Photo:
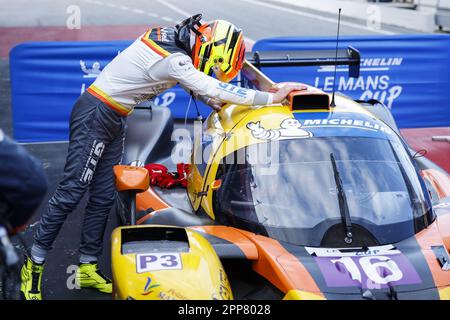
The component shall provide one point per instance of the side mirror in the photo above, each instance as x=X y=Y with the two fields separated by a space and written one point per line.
x=129 y=178
x=419 y=154
x=216 y=184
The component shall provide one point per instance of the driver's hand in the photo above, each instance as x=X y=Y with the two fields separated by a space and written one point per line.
x=281 y=91
x=216 y=104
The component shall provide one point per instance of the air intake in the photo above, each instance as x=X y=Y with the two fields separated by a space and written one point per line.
x=312 y=99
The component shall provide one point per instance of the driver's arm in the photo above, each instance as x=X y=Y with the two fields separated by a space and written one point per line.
x=214 y=103
x=181 y=69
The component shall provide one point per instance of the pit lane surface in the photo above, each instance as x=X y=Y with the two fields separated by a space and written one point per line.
x=128 y=19
x=101 y=20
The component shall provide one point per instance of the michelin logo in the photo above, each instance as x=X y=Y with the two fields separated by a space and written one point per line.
x=289 y=128
x=348 y=123
x=381 y=62
x=90 y=72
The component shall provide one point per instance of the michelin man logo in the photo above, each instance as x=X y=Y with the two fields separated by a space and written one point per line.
x=92 y=72
x=289 y=128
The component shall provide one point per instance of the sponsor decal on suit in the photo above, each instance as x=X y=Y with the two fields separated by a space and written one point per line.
x=91 y=163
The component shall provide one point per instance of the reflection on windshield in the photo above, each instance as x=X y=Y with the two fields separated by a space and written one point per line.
x=303 y=194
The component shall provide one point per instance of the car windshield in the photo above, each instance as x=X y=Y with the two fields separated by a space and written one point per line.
x=295 y=198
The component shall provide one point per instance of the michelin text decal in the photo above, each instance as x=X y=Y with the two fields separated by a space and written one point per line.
x=351 y=123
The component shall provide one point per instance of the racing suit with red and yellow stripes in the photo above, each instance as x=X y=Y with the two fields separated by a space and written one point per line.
x=153 y=63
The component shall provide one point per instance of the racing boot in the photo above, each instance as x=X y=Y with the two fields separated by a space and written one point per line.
x=89 y=276
x=31 y=277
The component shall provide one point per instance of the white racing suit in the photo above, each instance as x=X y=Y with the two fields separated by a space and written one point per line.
x=154 y=63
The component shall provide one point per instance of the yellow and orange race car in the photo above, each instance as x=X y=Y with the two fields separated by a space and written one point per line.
x=318 y=198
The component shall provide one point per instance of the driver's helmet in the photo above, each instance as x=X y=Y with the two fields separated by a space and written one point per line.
x=218 y=48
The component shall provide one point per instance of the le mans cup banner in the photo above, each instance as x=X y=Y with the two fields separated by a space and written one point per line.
x=409 y=73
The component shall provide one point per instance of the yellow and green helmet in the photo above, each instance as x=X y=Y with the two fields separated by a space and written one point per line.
x=219 y=48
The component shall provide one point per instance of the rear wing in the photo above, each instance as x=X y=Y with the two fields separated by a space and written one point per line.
x=300 y=58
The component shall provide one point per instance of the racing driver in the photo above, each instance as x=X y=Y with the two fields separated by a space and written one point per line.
x=191 y=54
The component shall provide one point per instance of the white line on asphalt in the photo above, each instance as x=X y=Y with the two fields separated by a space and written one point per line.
x=187 y=14
x=317 y=17
x=139 y=11
x=248 y=40
x=175 y=8
x=126 y=8
x=168 y=19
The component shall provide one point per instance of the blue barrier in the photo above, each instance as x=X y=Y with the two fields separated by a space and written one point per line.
x=48 y=77
x=410 y=73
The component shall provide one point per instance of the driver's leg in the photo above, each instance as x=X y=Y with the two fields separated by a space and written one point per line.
x=102 y=195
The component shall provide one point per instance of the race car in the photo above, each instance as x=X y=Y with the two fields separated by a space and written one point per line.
x=318 y=198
